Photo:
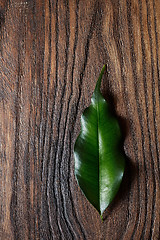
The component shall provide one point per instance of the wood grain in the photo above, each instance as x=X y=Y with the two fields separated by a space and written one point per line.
x=51 y=56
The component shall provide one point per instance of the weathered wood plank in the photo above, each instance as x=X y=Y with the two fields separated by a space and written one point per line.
x=51 y=56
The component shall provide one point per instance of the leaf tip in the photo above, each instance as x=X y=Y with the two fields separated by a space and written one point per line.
x=104 y=67
x=101 y=217
x=100 y=78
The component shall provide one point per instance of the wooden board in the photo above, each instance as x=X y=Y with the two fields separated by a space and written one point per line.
x=51 y=56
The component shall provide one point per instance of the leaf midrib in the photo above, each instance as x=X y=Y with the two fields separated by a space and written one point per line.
x=99 y=195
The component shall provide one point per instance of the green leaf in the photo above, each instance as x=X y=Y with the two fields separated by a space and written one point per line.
x=99 y=161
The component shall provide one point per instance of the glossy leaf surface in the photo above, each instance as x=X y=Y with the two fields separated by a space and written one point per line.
x=99 y=161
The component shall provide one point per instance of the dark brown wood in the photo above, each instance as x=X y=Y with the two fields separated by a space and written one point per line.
x=51 y=55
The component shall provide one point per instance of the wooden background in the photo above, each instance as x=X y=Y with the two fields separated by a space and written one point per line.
x=51 y=56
